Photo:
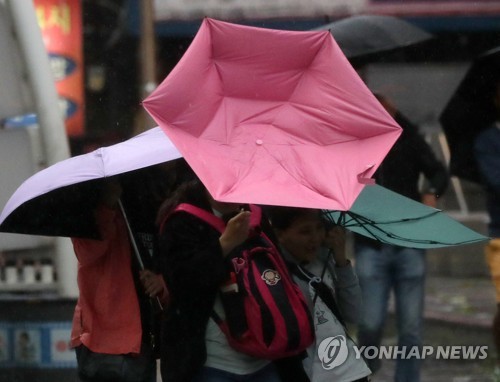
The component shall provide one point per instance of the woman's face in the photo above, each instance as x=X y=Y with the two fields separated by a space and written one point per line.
x=303 y=238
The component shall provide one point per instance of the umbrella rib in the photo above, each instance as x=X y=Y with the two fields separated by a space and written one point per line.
x=340 y=221
x=360 y=218
x=304 y=71
x=364 y=223
x=356 y=218
x=404 y=220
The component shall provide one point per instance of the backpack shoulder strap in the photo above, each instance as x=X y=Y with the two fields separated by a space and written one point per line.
x=213 y=220
x=321 y=289
x=256 y=215
x=202 y=214
x=301 y=272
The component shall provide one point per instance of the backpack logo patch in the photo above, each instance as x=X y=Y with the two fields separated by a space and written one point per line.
x=271 y=277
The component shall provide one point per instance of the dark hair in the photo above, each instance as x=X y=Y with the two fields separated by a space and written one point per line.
x=283 y=217
x=190 y=191
x=183 y=172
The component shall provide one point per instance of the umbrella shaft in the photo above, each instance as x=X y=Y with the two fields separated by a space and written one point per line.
x=131 y=234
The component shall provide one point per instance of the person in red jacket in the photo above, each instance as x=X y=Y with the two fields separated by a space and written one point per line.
x=108 y=322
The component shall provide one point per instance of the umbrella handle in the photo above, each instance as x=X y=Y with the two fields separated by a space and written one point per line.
x=132 y=239
x=134 y=246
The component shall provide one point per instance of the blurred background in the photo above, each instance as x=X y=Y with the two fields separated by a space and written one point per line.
x=105 y=56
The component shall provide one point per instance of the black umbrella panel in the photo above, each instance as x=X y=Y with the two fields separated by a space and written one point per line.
x=470 y=110
x=365 y=35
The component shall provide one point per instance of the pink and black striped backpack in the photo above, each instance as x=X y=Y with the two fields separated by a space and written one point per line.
x=266 y=314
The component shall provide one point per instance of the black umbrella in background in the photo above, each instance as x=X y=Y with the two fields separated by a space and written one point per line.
x=470 y=110
x=366 y=35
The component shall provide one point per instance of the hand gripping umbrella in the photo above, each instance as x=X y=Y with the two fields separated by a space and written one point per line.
x=391 y=218
x=273 y=117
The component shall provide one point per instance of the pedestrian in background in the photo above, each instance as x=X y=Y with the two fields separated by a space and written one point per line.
x=487 y=154
x=384 y=268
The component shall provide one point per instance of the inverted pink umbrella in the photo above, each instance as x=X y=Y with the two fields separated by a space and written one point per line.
x=273 y=117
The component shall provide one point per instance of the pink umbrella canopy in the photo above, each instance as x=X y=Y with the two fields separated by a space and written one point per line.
x=273 y=117
x=52 y=201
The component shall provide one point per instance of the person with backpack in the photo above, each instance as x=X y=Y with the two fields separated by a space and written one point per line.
x=316 y=254
x=197 y=263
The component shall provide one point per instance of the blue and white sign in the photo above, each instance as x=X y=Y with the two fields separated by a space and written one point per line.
x=36 y=344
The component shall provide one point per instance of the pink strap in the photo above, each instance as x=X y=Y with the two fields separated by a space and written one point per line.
x=204 y=215
x=213 y=220
x=256 y=216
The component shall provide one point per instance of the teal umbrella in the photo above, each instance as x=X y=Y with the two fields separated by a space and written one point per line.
x=391 y=218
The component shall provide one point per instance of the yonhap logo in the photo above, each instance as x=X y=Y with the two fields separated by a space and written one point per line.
x=332 y=352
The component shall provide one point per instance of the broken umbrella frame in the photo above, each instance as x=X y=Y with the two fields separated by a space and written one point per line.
x=249 y=106
x=391 y=218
